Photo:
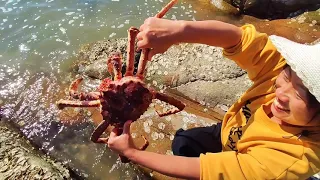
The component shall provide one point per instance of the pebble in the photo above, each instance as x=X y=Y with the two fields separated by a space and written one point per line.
x=161 y=125
x=155 y=136
x=224 y=108
x=161 y=136
x=171 y=137
x=147 y=129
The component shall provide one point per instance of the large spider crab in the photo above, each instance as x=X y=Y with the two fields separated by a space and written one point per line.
x=123 y=98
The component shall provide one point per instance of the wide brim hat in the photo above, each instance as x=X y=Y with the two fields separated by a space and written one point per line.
x=303 y=59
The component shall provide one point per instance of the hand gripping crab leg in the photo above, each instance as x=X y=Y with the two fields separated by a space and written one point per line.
x=98 y=131
x=145 y=52
x=119 y=130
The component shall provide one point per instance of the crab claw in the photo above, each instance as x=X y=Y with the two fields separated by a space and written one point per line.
x=73 y=88
x=60 y=105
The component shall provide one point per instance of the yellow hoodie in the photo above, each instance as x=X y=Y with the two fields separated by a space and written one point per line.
x=254 y=147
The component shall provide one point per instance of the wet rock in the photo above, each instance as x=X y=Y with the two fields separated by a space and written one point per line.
x=293 y=29
x=100 y=49
x=92 y=58
x=274 y=9
x=187 y=63
x=312 y=18
x=216 y=93
x=97 y=69
x=18 y=159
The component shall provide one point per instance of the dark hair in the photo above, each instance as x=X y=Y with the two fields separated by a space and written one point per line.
x=312 y=101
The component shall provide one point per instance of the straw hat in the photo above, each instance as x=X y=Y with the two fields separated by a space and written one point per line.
x=303 y=59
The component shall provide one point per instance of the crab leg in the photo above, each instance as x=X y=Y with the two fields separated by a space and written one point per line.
x=73 y=91
x=82 y=96
x=145 y=144
x=73 y=88
x=132 y=34
x=67 y=103
x=145 y=52
x=142 y=63
x=98 y=131
x=170 y=100
x=165 y=9
x=114 y=65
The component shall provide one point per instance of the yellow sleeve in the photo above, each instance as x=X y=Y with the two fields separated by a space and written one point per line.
x=254 y=53
x=258 y=163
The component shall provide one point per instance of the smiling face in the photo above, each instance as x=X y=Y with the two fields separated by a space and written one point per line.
x=292 y=104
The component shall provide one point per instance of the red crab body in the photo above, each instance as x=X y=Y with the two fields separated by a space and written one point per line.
x=127 y=98
x=123 y=98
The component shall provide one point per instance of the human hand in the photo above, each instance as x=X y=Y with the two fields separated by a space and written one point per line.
x=122 y=144
x=158 y=35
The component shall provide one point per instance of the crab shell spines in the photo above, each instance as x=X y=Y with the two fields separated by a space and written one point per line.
x=125 y=99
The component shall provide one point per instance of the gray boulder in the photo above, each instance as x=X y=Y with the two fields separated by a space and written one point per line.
x=274 y=9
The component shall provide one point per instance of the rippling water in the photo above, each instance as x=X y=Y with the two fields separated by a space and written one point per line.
x=39 y=41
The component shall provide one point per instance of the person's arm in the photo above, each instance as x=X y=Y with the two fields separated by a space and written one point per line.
x=160 y=34
x=210 y=32
x=174 y=166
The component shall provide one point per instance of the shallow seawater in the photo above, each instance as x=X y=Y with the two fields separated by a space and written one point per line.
x=39 y=41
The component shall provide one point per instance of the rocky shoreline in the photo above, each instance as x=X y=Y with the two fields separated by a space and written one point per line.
x=19 y=159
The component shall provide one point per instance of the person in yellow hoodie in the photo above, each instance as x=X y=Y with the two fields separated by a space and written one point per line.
x=271 y=132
